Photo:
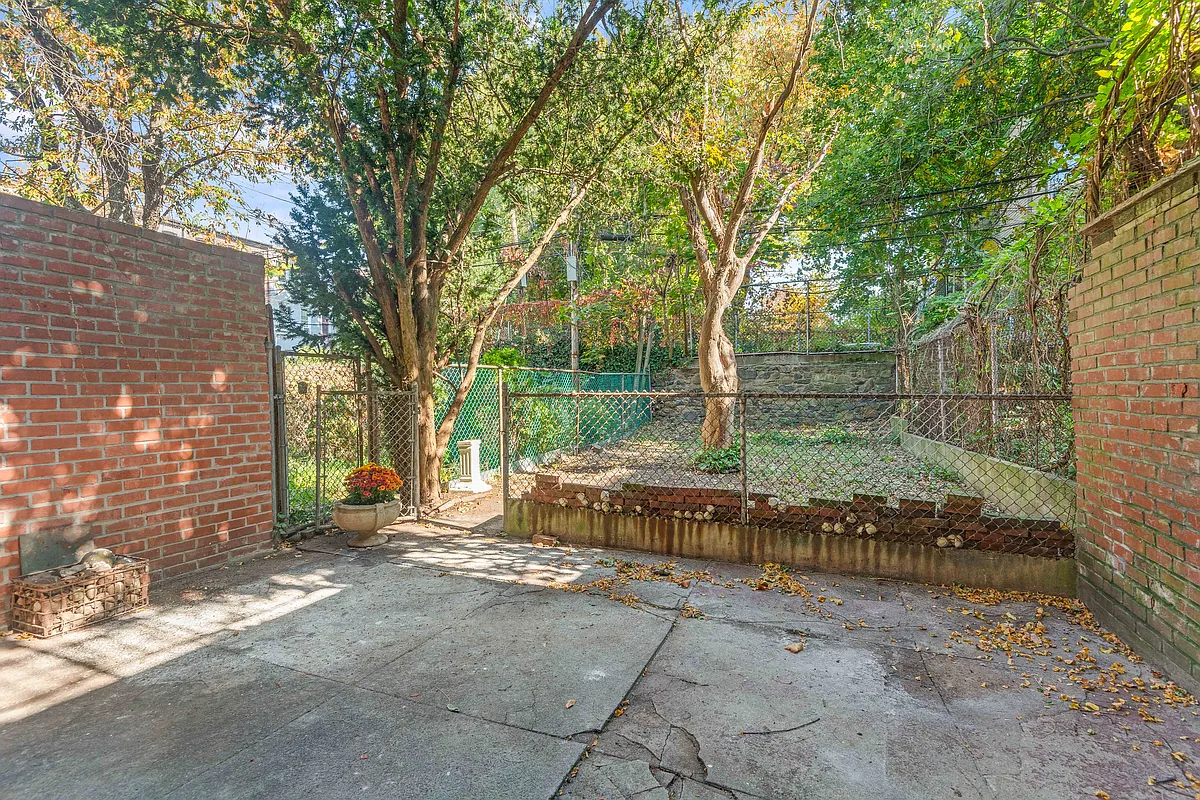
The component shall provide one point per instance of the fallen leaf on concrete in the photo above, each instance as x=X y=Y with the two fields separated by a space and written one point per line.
x=795 y=647
x=570 y=703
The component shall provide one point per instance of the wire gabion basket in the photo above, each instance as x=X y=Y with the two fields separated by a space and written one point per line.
x=45 y=604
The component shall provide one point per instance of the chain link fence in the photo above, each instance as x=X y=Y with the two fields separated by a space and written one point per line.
x=993 y=478
x=299 y=378
x=480 y=414
x=1001 y=352
x=331 y=418
x=356 y=427
x=773 y=331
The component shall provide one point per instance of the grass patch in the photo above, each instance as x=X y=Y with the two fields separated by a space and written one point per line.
x=791 y=438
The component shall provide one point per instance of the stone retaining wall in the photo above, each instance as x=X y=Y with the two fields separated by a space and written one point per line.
x=851 y=373
x=793 y=373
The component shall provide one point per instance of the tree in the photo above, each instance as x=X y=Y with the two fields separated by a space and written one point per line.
x=742 y=153
x=1149 y=104
x=90 y=130
x=411 y=115
x=956 y=119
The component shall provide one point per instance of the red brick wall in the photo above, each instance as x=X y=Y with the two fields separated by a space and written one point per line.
x=1135 y=331
x=134 y=391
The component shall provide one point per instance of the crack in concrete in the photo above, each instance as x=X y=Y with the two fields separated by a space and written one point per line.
x=682 y=679
x=982 y=787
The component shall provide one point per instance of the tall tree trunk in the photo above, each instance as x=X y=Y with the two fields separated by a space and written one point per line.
x=718 y=375
x=430 y=456
x=713 y=214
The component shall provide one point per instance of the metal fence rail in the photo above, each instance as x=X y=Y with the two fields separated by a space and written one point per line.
x=964 y=471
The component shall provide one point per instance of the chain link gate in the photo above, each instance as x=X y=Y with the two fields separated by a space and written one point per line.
x=356 y=427
x=296 y=379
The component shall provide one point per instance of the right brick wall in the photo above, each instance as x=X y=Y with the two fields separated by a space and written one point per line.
x=1135 y=330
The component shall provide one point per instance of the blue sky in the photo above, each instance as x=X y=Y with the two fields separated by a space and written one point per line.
x=269 y=198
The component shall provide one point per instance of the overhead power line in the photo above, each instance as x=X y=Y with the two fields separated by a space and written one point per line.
x=966 y=188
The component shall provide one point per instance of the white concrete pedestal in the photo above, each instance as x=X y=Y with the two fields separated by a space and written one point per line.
x=468 y=469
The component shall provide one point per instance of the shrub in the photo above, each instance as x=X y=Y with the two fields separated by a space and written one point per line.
x=503 y=357
x=837 y=436
x=370 y=484
x=718 y=460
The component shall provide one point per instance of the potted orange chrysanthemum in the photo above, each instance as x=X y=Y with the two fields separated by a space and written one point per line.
x=370 y=504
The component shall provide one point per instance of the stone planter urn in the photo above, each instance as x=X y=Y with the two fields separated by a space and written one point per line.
x=365 y=521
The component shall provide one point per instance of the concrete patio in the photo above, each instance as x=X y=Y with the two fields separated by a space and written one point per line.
x=453 y=664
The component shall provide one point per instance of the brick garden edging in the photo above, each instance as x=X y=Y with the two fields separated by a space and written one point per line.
x=861 y=536
x=865 y=516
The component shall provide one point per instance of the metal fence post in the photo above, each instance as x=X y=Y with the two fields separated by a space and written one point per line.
x=319 y=448
x=503 y=443
x=745 y=478
x=415 y=427
x=279 y=447
x=373 y=419
x=807 y=318
x=994 y=385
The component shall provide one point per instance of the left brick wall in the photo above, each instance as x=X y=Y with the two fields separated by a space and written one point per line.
x=134 y=391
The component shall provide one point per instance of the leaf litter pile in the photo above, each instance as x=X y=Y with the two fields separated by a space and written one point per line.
x=1087 y=674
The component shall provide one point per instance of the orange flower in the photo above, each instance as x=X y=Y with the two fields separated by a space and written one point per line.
x=372 y=483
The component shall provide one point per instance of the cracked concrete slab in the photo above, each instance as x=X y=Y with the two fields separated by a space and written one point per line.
x=360 y=744
x=275 y=678
x=152 y=731
x=615 y=779
x=730 y=707
x=375 y=613
x=523 y=659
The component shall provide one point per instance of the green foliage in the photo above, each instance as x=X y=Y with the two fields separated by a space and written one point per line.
x=718 y=460
x=950 y=112
x=938 y=310
x=96 y=125
x=1147 y=120
x=503 y=357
